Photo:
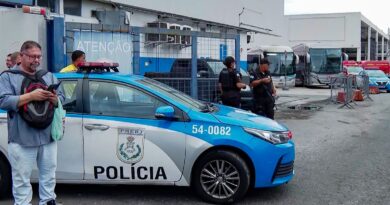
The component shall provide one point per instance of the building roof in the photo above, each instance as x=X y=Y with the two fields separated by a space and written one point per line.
x=304 y=48
x=167 y=15
x=270 y=49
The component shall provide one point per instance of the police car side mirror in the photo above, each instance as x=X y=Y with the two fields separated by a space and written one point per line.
x=165 y=112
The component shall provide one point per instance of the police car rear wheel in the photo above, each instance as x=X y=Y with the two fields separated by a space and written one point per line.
x=5 y=179
x=221 y=177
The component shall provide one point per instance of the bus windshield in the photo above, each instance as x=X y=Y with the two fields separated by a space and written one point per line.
x=326 y=61
x=280 y=63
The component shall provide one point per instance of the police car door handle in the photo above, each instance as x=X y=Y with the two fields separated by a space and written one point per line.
x=96 y=127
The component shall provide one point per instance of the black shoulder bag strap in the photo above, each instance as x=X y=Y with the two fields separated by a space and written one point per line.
x=16 y=72
x=39 y=76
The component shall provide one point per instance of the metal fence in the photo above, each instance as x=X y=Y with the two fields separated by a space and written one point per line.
x=207 y=87
x=187 y=60
x=344 y=88
x=366 y=87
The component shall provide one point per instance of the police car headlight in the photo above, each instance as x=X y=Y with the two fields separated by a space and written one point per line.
x=272 y=137
x=373 y=82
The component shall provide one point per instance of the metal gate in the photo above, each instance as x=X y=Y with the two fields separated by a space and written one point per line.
x=189 y=61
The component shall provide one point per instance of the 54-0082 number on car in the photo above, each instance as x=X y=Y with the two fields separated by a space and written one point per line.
x=211 y=130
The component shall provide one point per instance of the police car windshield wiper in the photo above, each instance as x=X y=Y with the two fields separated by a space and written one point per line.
x=205 y=108
x=208 y=107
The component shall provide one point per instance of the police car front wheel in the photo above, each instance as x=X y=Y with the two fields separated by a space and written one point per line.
x=5 y=179
x=221 y=177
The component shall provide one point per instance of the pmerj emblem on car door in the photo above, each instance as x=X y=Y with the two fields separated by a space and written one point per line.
x=130 y=148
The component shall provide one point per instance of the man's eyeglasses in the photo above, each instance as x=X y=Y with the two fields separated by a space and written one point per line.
x=33 y=57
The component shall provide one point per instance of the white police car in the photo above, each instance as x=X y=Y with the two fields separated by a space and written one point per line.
x=127 y=129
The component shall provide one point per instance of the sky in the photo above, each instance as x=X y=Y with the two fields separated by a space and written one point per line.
x=377 y=11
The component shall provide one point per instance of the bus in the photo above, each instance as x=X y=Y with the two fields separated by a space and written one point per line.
x=282 y=63
x=318 y=64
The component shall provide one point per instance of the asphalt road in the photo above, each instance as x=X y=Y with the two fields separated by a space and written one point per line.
x=342 y=157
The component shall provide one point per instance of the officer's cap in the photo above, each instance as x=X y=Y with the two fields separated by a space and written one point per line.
x=264 y=61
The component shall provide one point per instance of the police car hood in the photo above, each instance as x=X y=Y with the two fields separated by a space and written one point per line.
x=238 y=117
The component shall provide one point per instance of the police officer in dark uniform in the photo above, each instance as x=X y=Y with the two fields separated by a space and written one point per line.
x=230 y=84
x=263 y=90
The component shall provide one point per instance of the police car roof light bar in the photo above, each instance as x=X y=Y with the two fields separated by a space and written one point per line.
x=97 y=67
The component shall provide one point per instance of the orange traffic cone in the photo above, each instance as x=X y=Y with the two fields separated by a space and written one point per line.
x=341 y=97
x=374 y=90
x=358 y=95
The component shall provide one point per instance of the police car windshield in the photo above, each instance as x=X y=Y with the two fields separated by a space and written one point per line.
x=376 y=74
x=354 y=70
x=173 y=94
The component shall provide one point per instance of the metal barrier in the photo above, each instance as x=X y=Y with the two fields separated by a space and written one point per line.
x=186 y=59
x=355 y=83
x=207 y=87
x=366 y=87
x=342 y=90
x=336 y=84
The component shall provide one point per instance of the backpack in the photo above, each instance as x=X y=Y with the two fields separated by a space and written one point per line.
x=38 y=114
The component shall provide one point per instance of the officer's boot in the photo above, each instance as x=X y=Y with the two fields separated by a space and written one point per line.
x=52 y=202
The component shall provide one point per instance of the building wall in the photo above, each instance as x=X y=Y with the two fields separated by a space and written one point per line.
x=18 y=27
x=155 y=58
x=87 y=6
x=338 y=30
x=228 y=10
x=329 y=30
x=267 y=14
x=272 y=17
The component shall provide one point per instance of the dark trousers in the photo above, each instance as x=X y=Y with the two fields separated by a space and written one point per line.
x=231 y=101
x=264 y=107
